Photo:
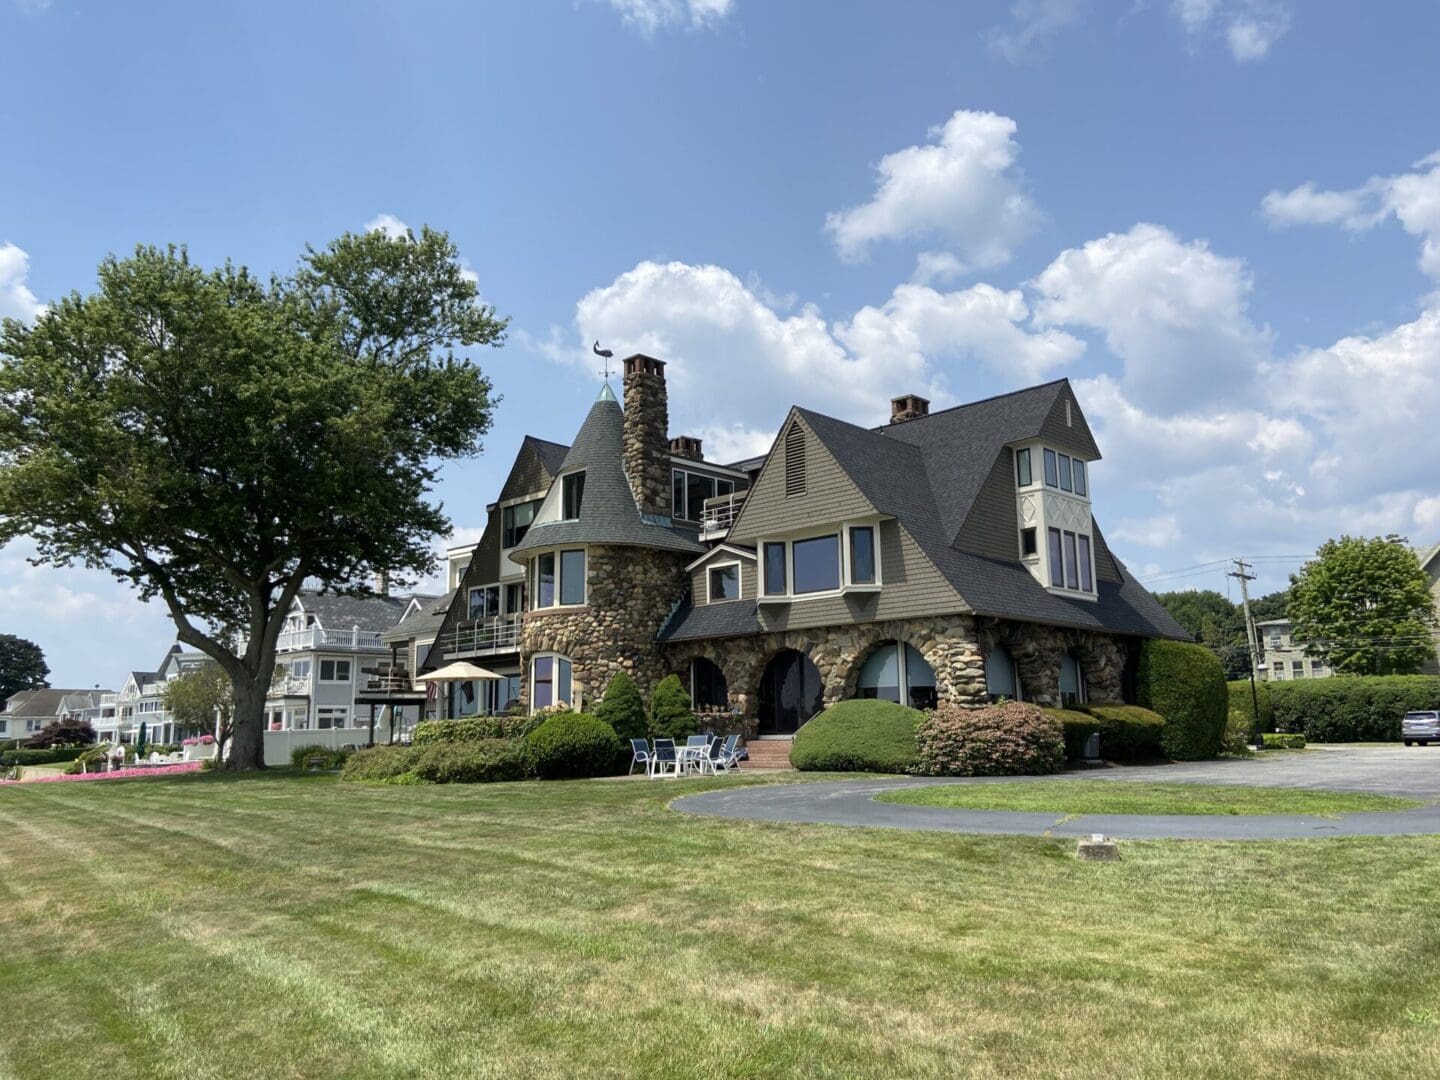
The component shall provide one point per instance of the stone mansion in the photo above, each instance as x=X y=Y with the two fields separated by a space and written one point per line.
x=946 y=556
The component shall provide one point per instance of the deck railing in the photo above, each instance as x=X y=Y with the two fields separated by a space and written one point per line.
x=499 y=634
x=356 y=640
x=719 y=513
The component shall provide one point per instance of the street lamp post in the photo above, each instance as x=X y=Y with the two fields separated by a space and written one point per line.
x=1255 y=705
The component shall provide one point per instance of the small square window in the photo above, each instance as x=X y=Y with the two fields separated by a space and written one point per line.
x=725 y=582
x=1027 y=542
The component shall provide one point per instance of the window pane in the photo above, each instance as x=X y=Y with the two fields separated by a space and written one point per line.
x=817 y=564
x=774 y=569
x=1086 y=581
x=545 y=580
x=1027 y=541
x=572 y=577
x=724 y=487
x=880 y=675
x=698 y=489
x=514 y=598
x=1072 y=581
x=862 y=555
x=1078 y=467
x=1051 y=471
x=1022 y=467
x=572 y=492
x=725 y=583
x=1000 y=674
x=542 y=684
x=477 y=603
x=919 y=680
x=562 y=681
x=1057 y=566
x=1064 y=472
x=677 y=493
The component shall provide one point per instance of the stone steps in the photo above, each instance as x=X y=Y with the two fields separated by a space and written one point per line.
x=768 y=754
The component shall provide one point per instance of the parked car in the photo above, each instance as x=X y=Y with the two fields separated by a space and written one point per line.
x=1420 y=726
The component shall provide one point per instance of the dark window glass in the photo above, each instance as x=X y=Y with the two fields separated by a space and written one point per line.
x=707 y=685
x=542 y=685
x=862 y=555
x=545 y=580
x=1022 y=468
x=677 y=492
x=516 y=521
x=572 y=491
x=725 y=583
x=1072 y=580
x=1064 y=472
x=572 y=577
x=697 y=490
x=1086 y=581
x=514 y=598
x=774 y=569
x=724 y=487
x=1057 y=564
x=817 y=564
x=1052 y=477
x=1078 y=468
x=1027 y=541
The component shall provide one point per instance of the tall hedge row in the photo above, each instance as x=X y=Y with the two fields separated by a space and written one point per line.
x=1351 y=708
x=1185 y=684
x=1242 y=703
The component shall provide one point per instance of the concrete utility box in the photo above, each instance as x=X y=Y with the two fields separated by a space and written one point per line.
x=1098 y=848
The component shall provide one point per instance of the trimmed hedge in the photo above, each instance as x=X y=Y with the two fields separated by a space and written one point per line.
x=330 y=757
x=858 y=736
x=470 y=762
x=1351 y=708
x=50 y=756
x=1185 y=684
x=1013 y=738
x=1127 y=732
x=476 y=728
x=1280 y=741
x=622 y=708
x=386 y=764
x=570 y=745
x=1243 y=704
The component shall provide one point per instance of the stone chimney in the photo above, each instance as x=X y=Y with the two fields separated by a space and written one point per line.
x=686 y=446
x=647 y=426
x=909 y=407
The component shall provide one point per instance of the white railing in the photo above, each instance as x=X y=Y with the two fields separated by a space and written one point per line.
x=390 y=682
x=719 y=513
x=290 y=686
x=314 y=638
x=482 y=635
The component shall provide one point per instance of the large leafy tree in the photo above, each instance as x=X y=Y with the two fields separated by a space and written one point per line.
x=22 y=666
x=1364 y=606
x=216 y=439
x=1213 y=621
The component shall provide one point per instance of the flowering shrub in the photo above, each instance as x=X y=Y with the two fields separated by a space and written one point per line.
x=117 y=774
x=1008 y=739
x=203 y=740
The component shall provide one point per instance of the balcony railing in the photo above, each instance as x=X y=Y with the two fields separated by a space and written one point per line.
x=393 y=681
x=290 y=686
x=356 y=640
x=719 y=513
x=501 y=634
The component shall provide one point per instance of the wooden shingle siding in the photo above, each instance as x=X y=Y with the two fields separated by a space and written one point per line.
x=1075 y=439
x=1105 y=569
x=830 y=496
x=912 y=588
x=991 y=528
x=528 y=475
x=698 y=584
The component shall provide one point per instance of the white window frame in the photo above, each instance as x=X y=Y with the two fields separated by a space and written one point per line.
x=565 y=480
x=842 y=531
x=335 y=663
x=573 y=701
x=534 y=579
x=678 y=512
x=329 y=712
x=739 y=581
x=470 y=600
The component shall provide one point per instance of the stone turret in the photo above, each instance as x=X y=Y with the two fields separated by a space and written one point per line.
x=646 y=441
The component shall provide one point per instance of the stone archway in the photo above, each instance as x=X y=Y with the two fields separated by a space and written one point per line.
x=790 y=692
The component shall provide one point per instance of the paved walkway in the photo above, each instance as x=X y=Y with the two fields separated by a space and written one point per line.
x=1387 y=770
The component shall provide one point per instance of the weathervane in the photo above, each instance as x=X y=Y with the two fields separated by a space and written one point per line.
x=606 y=354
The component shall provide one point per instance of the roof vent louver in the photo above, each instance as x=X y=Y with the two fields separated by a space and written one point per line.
x=795 y=461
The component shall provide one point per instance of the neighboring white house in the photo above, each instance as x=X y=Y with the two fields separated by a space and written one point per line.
x=28 y=711
x=141 y=700
x=1284 y=656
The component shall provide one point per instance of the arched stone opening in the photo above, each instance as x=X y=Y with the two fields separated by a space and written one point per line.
x=894 y=670
x=790 y=692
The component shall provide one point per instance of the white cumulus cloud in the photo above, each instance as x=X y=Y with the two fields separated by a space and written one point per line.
x=652 y=16
x=962 y=188
x=1032 y=26
x=1249 y=27
x=388 y=224
x=16 y=299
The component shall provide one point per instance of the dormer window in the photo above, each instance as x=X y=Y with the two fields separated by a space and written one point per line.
x=724 y=582
x=572 y=491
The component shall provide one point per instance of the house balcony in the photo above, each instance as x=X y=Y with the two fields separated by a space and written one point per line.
x=719 y=513
x=389 y=686
x=290 y=686
x=355 y=640
x=481 y=637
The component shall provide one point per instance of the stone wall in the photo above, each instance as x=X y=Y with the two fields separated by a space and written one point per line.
x=631 y=592
x=953 y=646
x=646 y=436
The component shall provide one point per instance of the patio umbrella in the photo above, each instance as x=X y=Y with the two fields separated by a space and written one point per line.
x=140 y=742
x=460 y=671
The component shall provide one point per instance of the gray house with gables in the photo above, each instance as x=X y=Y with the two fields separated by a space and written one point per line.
x=946 y=556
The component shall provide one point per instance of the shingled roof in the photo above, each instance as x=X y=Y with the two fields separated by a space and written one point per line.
x=344 y=612
x=927 y=474
x=608 y=512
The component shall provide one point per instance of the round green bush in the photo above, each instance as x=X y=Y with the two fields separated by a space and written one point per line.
x=476 y=728
x=386 y=764
x=571 y=744
x=622 y=708
x=488 y=761
x=1185 y=684
x=1013 y=738
x=858 y=736
x=671 y=714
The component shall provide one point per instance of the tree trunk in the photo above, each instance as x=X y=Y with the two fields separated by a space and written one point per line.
x=247 y=731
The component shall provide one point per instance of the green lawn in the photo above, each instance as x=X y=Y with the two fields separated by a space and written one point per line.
x=294 y=926
x=1116 y=797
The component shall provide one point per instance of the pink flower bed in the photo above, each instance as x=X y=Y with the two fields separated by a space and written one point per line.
x=117 y=774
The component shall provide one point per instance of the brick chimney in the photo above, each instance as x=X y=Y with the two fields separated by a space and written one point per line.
x=647 y=426
x=908 y=407
x=686 y=446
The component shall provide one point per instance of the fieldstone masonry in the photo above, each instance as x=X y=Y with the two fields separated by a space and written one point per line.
x=646 y=435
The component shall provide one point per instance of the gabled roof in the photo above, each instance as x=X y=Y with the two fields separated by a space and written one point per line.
x=552 y=454
x=608 y=512
x=46 y=702
x=334 y=612
x=428 y=618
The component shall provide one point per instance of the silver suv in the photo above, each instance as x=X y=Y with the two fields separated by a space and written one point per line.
x=1421 y=727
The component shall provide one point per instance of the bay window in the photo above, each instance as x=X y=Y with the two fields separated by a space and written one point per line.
x=1064 y=472
x=1086 y=581
x=1072 y=578
x=862 y=555
x=775 y=577
x=1023 y=477
x=1052 y=470
x=834 y=562
x=816 y=564
x=572 y=577
x=1078 y=467
x=550 y=681
x=559 y=578
x=545 y=580
x=1057 y=561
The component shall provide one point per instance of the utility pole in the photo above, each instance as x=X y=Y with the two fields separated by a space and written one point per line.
x=1243 y=575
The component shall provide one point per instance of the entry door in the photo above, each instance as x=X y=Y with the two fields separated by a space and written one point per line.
x=790 y=693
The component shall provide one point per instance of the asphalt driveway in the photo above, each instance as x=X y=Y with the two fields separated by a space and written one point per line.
x=1412 y=772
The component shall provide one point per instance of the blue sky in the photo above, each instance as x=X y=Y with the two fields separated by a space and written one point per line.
x=1216 y=216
